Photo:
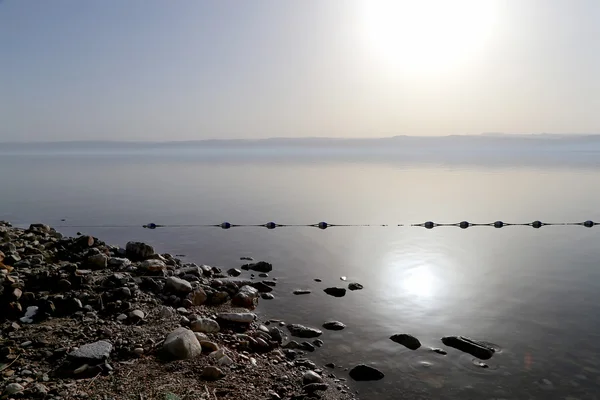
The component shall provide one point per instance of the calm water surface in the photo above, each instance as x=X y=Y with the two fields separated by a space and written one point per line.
x=533 y=293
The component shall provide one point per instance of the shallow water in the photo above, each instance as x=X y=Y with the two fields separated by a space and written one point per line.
x=533 y=293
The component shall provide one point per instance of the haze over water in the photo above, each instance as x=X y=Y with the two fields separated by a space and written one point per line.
x=533 y=293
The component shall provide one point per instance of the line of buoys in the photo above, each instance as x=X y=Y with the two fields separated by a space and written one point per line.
x=325 y=225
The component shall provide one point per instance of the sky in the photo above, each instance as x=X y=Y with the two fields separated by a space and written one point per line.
x=189 y=69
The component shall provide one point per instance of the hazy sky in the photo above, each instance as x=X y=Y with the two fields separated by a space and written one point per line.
x=170 y=70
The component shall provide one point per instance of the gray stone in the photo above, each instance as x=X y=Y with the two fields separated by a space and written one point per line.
x=335 y=291
x=205 y=325
x=238 y=318
x=267 y=296
x=198 y=297
x=118 y=262
x=136 y=315
x=234 y=272
x=301 y=291
x=211 y=373
x=154 y=266
x=97 y=261
x=355 y=286
x=311 y=377
x=406 y=340
x=303 y=331
x=468 y=345
x=138 y=251
x=97 y=351
x=334 y=325
x=178 y=285
x=13 y=388
x=182 y=344
x=247 y=297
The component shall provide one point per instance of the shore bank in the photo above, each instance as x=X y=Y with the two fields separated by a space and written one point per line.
x=83 y=319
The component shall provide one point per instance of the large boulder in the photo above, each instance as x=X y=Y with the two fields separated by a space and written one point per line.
x=138 y=251
x=406 y=340
x=364 y=372
x=247 y=297
x=181 y=344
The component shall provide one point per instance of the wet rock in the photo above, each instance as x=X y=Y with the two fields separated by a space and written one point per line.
x=198 y=297
x=246 y=258
x=92 y=352
x=182 y=344
x=318 y=342
x=355 y=286
x=247 y=297
x=439 y=351
x=262 y=287
x=335 y=291
x=218 y=298
x=276 y=334
x=178 y=285
x=234 y=272
x=260 y=266
x=138 y=251
x=364 y=372
x=306 y=346
x=263 y=275
x=211 y=373
x=154 y=267
x=205 y=325
x=311 y=377
x=406 y=340
x=301 y=291
x=302 y=331
x=473 y=347
x=318 y=280
x=237 y=318
x=334 y=326
x=267 y=296
x=97 y=261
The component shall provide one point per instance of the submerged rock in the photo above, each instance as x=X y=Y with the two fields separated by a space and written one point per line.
x=335 y=291
x=334 y=325
x=364 y=372
x=301 y=291
x=473 y=347
x=302 y=331
x=406 y=340
x=260 y=266
x=355 y=286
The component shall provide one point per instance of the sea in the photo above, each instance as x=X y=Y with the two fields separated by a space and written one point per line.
x=533 y=293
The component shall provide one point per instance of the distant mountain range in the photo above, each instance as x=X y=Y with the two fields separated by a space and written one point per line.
x=464 y=142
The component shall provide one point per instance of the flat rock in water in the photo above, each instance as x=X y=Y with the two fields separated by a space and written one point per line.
x=406 y=340
x=301 y=291
x=97 y=351
x=473 y=347
x=334 y=325
x=182 y=344
x=335 y=291
x=234 y=272
x=355 y=286
x=238 y=318
x=262 y=287
x=260 y=266
x=302 y=331
x=267 y=296
x=364 y=372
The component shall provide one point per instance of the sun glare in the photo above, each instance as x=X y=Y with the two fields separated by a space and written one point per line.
x=421 y=36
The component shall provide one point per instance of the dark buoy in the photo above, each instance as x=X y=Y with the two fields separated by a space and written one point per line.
x=588 y=224
x=537 y=224
x=464 y=225
x=323 y=225
x=151 y=225
x=429 y=224
x=498 y=224
x=225 y=225
x=271 y=225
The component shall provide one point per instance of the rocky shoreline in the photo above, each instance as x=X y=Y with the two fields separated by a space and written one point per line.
x=85 y=320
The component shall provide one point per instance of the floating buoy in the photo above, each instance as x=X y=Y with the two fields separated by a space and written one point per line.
x=271 y=225
x=537 y=224
x=151 y=225
x=464 y=225
x=323 y=225
x=225 y=225
x=588 y=224
x=498 y=224
x=429 y=224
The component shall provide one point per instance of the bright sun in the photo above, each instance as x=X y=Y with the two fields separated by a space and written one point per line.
x=424 y=36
